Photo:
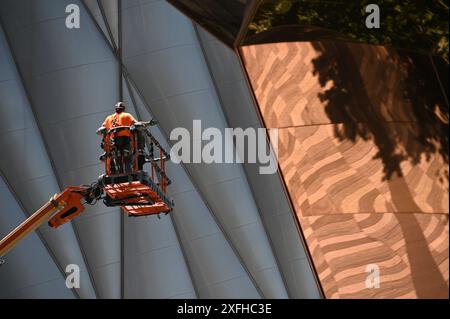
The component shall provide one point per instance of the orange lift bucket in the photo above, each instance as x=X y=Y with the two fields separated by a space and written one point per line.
x=136 y=199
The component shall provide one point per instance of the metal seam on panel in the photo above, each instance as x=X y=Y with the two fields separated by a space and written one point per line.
x=247 y=19
x=120 y=71
x=38 y=232
x=37 y=75
x=208 y=65
x=281 y=178
x=99 y=29
x=175 y=227
x=119 y=45
x=151 y=51
x=52 y=164
x=108 y=28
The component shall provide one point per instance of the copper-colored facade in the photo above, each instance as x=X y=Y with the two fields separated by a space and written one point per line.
x=364 y=156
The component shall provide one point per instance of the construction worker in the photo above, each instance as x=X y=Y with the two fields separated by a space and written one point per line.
x=119 y=118
x=122 y=138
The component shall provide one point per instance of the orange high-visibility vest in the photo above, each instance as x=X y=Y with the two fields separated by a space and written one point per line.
x=119 y=119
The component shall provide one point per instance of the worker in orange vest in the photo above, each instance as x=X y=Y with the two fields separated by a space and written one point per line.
x=122 y=138
x=119 y=118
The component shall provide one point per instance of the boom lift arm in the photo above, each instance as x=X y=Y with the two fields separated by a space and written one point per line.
x=66 y=204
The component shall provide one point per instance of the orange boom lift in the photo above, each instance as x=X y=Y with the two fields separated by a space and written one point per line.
x=124 y=184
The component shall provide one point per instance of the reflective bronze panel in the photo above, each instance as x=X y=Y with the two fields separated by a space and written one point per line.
x=363 y=152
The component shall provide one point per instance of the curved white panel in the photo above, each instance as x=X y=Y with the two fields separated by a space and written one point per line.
x=25 y=164
x=33 y=12
x=154 y=264
x=29 y=271
x=155 y=19
x=273 y=205
x=72 y=78
x=175 y=81
x=216 y=271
